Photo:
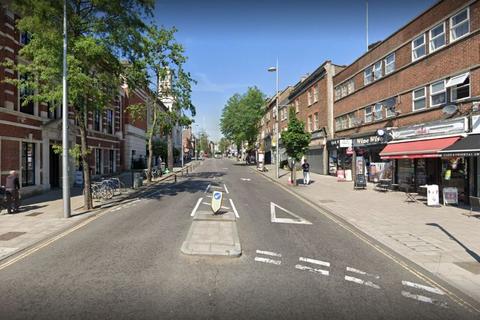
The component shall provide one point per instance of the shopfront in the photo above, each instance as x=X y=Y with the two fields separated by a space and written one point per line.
x=417 y=159
x=340 y=155
x=369 y=147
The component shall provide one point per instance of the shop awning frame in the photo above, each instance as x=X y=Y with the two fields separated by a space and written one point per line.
x=417 y=149
x=467 y=147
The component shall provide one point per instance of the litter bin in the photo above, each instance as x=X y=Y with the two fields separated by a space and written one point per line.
x=137 y=180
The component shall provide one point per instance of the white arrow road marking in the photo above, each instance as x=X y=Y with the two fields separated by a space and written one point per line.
x=319 y=262
x=422 y=287
x=245 y=179
x=360 y=281
x=305 y=268
x=196 y=207
x=421 y=298
x=269 y=253
x=266 y=260
x=208 y=187
x=234 y=209
x=273 y=216
x=362 y=272
x=225 y=187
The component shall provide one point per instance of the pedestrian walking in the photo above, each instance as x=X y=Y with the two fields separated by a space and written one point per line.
x=306 y=172
x=12 y=187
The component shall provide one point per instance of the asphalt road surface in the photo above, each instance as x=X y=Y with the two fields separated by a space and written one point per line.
x=297 y=263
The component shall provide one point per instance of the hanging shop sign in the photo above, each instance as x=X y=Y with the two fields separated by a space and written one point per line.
x=433 y=129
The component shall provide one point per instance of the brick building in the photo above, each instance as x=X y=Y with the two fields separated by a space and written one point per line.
x=410 y=96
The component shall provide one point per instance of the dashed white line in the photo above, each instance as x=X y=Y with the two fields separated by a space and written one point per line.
x=421 y=298
x=319 y=262
x=266 y=260
x=305 y=268
x=362 y=272
x=208 y=187
x=225 y=187
x=234 y=209
x=196 y=207
x=422 y=287
x=269 y=253
x=360 y=281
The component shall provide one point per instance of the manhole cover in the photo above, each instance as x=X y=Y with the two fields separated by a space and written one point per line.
x=10 y=235
x=472 y=267
x=326 y=201
x=33 y=214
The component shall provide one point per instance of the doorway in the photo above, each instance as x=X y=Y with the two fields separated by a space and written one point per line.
x=54 y=160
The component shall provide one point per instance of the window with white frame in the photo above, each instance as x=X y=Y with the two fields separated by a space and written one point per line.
x=459 y=87
x=337 y=92
x=344 y=90
x=296 y=106
x=351 y=120
x=109 y=121
x=309 y=123
x=315 y=93
x=389 y=106
x=350 y=86
x=315 y=121
x=378 y=109
x=343 y=122
x=438 y=93
x=390 y=63
x=368 y=75
x=418 y=47
x=337 y=124
x=419 y=100
x=377 y=70
x=437 y=37
x=368 y=114
x=309 y=97
x=460 y=25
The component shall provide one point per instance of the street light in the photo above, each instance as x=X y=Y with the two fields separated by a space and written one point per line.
x=65 y=169
x=277 y=143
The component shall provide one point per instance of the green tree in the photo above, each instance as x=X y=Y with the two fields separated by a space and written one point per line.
x=203 y=144
x=241 y=116
x=98 y=32
x=223 y=145
x=295 y=140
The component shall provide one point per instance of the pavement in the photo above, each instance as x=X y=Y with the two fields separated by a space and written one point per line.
x=297 y=262
x=41 y=217
x=443 y=240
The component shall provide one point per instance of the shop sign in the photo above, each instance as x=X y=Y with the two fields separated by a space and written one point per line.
x=439 y=128
x=349 y=151
x=367 y=141
x=346 y=143
x=339 y=143
x=476 y=124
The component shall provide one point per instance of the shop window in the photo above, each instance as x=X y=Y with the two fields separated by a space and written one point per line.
x=418 y=47
x=438 y=93
x=460 y=25
x=368 y=114
x=28 y=164
x=368 y=75
x=419 y=101
x=390 y=63
x=378 y=112
x=377 y=70
x=437 y=37
x=459 y=87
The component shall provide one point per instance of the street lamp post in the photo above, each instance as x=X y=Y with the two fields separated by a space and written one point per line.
x=277 y=142
x=65 y=182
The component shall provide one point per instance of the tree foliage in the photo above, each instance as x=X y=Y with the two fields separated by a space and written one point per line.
x=203 y=142
x=241 y=116
x=224 y=144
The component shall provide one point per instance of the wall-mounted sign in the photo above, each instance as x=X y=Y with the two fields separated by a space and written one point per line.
x=438 y=128
x=367 y=141
x=346 y=143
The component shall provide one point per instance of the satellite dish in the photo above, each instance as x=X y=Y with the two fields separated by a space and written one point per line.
x=449 y=109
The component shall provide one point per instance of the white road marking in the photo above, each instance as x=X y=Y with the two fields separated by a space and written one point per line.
x=362 y=272
x=223 y=207
x=225 y=187
x=245 y=179
x=269 y=253
x=319 y=262
x=266 y=260
x=360 y=281
x=305 y=268
x=234 y=209
x=196 y=207
x=216 y=187
x=422 y=287
x=421 y=298
x=273 y=216
x=208 y=187
x=224 y=168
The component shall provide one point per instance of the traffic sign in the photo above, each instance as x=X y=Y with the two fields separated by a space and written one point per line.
x=216 y=201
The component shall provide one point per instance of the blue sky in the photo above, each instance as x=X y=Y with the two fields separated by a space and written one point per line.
x=230 y=44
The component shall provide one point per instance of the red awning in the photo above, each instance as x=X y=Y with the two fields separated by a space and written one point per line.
x=417 y=149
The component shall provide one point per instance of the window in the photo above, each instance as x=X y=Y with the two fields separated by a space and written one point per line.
x=459 y=86
x=419 y=101
x=309 y=97
x=390 y=63
x=97 y=120
x=351 y=120
x=344 y=90
x=309 y=123
x=341 y=123
x=378 y=112
x=460 y=25
x=25 y=38
x=315 y=121
x=28 y=164
x=297 y=110
x=98 y=161
x=315 y=93
x=377 y=70
x=109 y=121
x=368 y=114
x=437 y=37
x=337 y=93
x=438 y=93
x=418 y=48
x=367 y=75
x=54 y=111
x=389 y=105
x=26 y=103
x=350 y=86
x=111 y=156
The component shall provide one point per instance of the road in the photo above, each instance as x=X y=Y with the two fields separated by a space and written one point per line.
x=127 y=264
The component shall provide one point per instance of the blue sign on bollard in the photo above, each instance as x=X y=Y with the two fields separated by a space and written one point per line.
x=216 y=201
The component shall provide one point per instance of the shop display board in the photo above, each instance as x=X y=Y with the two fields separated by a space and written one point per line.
x=360 y=181
x=450 y=196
